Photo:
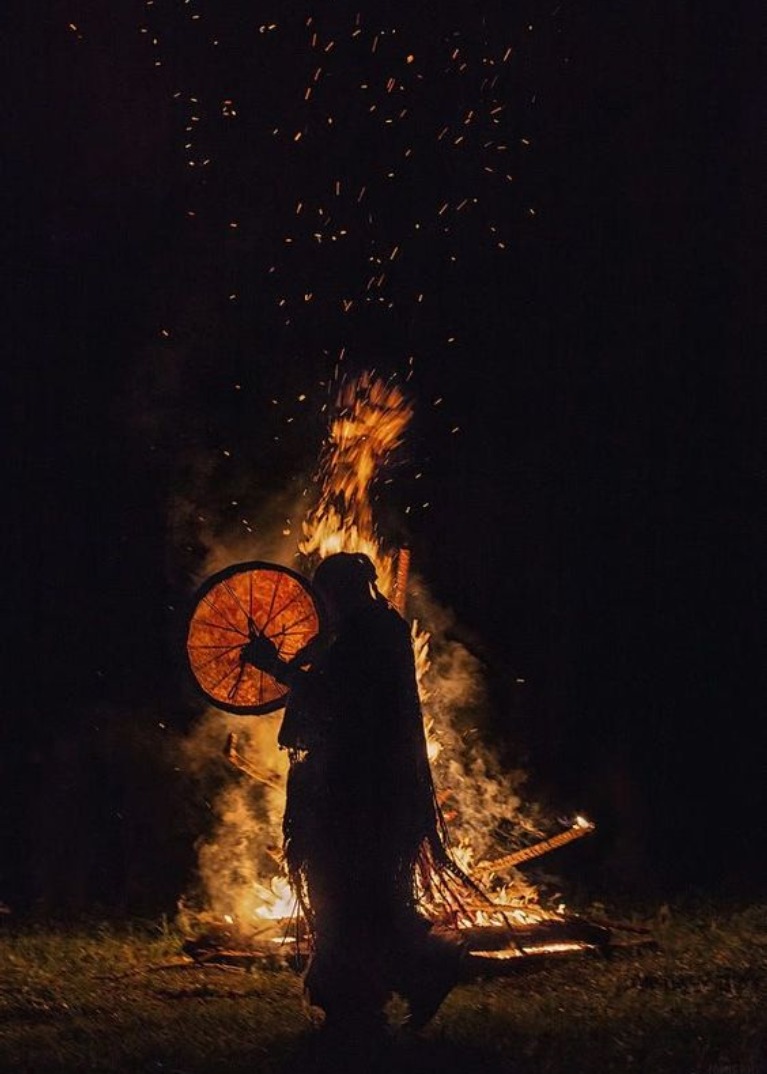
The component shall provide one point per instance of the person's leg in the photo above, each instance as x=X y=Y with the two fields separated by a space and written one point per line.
x=431 y=965
x=346 y=977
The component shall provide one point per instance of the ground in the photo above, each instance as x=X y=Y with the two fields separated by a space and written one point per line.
x=120 y=999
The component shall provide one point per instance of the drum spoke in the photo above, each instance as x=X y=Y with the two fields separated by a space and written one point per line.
x=215 y=657
x=281 y=610
x=235 y=598
x=219 y=611
x=221 y=626
x=224 y=677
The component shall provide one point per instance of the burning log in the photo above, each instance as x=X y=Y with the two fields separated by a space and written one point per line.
x=274 y=953
x=508 y=963
x=400 y=581
x=537 y=934
x=270 y=779
x=492 y=950
x=580 y=827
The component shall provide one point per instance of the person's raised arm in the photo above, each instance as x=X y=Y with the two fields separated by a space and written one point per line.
x=262 y=653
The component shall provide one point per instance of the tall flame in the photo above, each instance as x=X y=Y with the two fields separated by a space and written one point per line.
x=368 y=425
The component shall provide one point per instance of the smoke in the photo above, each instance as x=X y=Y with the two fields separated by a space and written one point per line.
x=482 y=803
x=238 y=858
x=266 y=532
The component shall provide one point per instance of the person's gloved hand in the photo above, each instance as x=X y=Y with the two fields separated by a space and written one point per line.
x=261 y=652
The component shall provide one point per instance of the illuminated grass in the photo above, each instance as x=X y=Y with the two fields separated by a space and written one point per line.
x=110 y=999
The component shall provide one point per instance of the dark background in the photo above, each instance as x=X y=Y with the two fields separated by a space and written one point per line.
x=596 y=527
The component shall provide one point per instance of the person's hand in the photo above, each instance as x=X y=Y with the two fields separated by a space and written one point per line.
x=261 y=652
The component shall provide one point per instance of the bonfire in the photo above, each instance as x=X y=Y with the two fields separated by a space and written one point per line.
x=248 y=911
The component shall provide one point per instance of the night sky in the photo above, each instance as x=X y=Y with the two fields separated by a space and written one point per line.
x=548 y=217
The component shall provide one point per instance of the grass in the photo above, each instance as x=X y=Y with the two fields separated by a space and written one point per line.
x=112 y=999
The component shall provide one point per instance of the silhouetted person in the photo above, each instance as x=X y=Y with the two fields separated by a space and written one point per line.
x=363 y=833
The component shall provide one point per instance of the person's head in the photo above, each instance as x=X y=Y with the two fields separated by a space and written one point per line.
x=345 y=581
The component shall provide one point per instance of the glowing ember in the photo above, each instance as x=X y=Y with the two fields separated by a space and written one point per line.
x=539 y=949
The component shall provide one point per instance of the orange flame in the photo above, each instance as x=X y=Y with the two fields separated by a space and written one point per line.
x=370 y=419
